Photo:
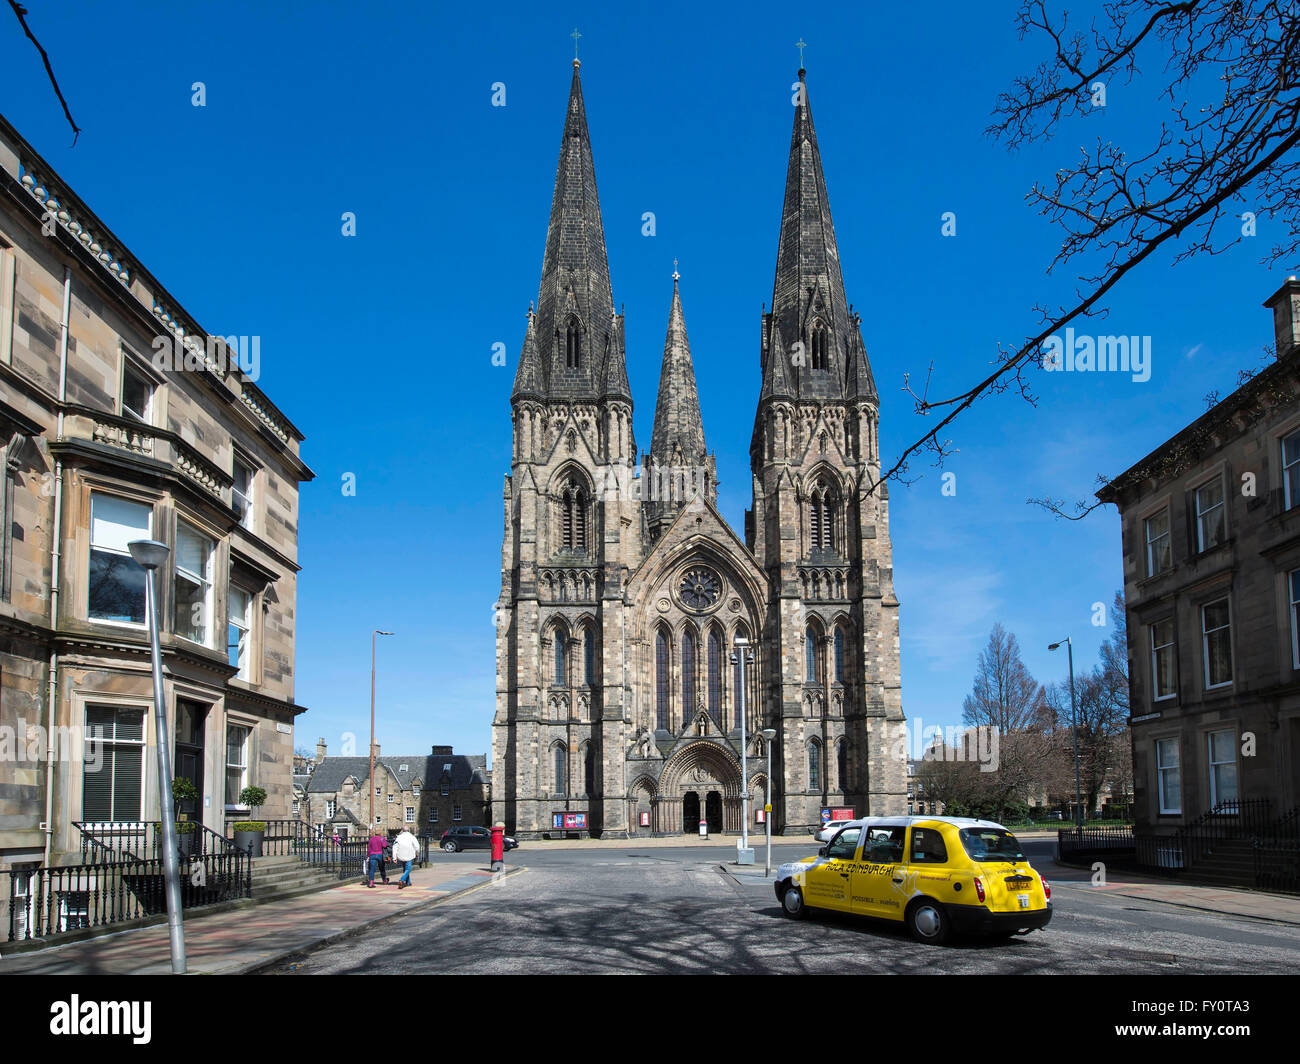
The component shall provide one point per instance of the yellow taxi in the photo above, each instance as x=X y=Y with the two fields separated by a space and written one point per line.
x=937 y=875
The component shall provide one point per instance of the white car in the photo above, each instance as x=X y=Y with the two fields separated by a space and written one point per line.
x=829 y=829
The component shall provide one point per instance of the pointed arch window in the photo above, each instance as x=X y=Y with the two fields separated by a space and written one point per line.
x=688 y=673
x=559 y=658
x=561 y=765
x=842 y=765
x=715 y=677
x=588 y=770
x=661 y=681
x=572 y=345
x=589 y=657
x=822 y=504
x=573 y=516
x=839 y=654
x=814 y=766
x=741 y=633
x=810 y=655
x=820 y=343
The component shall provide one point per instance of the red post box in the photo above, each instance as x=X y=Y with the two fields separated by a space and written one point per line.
x=498 y=847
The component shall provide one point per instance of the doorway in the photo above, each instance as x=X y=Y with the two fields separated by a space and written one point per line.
x=713 y=811
x=190 y=725
x=691 y=813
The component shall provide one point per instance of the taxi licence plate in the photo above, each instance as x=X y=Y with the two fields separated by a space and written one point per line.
x=1024 y=900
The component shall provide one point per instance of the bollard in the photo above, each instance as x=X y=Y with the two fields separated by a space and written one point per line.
x=498 y=847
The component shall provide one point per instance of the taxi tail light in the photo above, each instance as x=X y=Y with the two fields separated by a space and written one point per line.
x=979 y=888
x=1047 y=888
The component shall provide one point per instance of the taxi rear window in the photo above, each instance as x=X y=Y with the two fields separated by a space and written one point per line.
x=990 y=844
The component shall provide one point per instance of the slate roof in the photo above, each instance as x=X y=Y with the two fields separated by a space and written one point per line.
x=466 y=769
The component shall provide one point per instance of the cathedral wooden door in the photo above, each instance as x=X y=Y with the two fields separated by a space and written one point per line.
x=713 y=811
x=691 y=813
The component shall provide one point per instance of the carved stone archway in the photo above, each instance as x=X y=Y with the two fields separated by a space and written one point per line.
x=699 y=767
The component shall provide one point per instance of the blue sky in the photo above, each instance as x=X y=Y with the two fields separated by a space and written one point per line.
x=379 y=346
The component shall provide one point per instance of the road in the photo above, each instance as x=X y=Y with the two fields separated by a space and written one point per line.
x=675 y=911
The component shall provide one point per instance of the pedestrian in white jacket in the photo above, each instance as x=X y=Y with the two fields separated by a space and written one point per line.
x=406 y=848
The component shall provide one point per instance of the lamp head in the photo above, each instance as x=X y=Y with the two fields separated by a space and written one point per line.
x=378 y=632
x=149 y=553
x=769 y=734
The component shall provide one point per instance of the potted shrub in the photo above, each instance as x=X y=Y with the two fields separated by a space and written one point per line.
x=183 y=790
x=249 y=833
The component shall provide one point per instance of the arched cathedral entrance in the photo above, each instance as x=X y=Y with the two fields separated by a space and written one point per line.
x=700 y=780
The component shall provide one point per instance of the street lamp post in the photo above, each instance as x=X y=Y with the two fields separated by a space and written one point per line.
x=149 y=554
x=1074 y=727
x=769 y=734
x=743 y=656
x=370 y=783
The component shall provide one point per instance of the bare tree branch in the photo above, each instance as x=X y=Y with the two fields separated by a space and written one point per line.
x=21 y=12
x=1117 y=209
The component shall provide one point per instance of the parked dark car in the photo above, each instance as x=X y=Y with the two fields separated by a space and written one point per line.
x=456 y=839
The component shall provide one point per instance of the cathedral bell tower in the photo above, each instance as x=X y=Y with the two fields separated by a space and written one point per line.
x=571 y=524
x=817 y=527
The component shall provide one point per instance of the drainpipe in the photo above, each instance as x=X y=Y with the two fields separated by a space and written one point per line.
x=55 y=553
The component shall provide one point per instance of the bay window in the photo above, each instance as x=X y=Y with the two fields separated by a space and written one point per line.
x=115 y=582
x=193 y=579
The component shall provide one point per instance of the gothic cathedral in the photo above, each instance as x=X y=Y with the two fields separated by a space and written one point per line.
x=623 y=591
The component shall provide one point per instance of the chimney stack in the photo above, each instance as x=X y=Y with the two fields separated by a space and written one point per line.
x=320 y=749
x=1285 y=304
x=376 y=750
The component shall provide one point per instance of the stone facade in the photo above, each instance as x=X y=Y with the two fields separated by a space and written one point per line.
x=1211 y=539
x=425 y=793
x=103 y=441
x=624 y=591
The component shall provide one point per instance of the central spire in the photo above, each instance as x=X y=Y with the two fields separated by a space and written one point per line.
x=679 y=466
x=678 y=435
x=575 y=331
x=812 y=336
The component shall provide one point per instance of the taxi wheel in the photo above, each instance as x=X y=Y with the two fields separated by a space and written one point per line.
x=792 y=904
x=927 y=921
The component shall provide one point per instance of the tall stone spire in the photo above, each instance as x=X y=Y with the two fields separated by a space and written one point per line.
x=679 y=465
x=678 y=436
x=808 y=304
x=575 y=332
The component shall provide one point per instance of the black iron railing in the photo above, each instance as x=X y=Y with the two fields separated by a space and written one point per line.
x=1277 y=854
x=1111 y=840
x=41 y=902
x=1240 y=819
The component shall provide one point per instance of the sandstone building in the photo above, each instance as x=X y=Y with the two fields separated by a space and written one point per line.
x=622 y=594
x=1211 y=539
x=109 y=435
x=425 y=793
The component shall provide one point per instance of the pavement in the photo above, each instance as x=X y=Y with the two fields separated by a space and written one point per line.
x=243 y=940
